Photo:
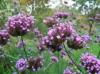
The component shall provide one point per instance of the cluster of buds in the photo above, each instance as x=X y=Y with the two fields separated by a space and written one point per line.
x=61 y=14
x=90 y=63
x=50 y=21
x=4 y=36
x=35 y=63
x=56 y=36
x=20 y=24
x=76 y=42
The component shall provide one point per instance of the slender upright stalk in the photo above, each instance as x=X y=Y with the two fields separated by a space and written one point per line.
x=98 y=56
x=24 y=48
x=77 y=66
x=58 y=65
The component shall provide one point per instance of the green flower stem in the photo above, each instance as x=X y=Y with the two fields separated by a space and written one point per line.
x=24 y=48
x=77 y=66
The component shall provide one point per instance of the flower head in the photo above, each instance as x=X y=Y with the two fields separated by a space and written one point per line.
x=56 y=36
x=86 y=38
x=21 y=44
x=76 y=42
x=4 y=36
x=50 y=21
x=20 y=24
x=68 y=71
x=37 y=33
x=54 y=59
x=90 y=63
x=21 y=64
x=35 y=63
x=61 y=14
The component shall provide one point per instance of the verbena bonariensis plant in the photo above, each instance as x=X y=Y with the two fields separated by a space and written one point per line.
x=20 y=25
x=57 y=34
x=90 y=63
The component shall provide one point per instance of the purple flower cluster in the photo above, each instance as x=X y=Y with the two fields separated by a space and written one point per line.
x=76 y=42
x=63 y=53
x=68 y=71
x=50 y=21
x=86 y=38
x=53 y=20
x=54 y=59
x=20 y=24
x=4 y=36
x=37 y=33
x=90 y=63
x=35 y=63
x=21 y=44
x=58 y=33
x=62 y=14
x=21 y=64
x=56 y=36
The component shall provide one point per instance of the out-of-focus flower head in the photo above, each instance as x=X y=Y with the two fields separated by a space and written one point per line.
x=54 y=59
x=50 y=21
x=44 y=42
x=35 y=63
x=21 y=44
x=58 y=33
x=76 y=42
x=90 y=63
x=4 y=37
x=86 y=38
x=56 y=36
x=61 y=14
x=20 y=24
x=68 y=71
x=21 y=64
x=37 y=33
x=63 y=53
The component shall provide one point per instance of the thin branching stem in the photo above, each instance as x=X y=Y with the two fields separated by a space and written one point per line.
x=68 y=53
x=98 y=56
x=24 y=48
